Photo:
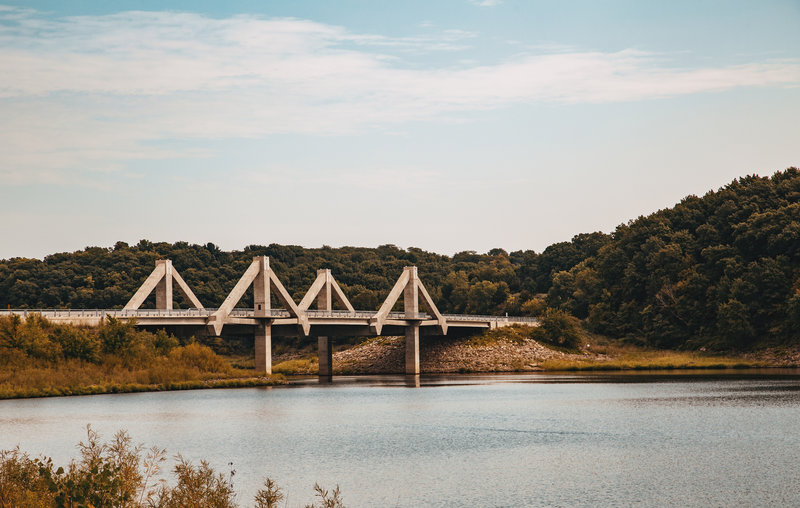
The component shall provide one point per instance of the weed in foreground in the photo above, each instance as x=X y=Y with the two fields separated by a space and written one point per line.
x=115 y=474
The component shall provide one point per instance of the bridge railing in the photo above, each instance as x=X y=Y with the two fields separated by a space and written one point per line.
x=477 y=317
x=248 y=313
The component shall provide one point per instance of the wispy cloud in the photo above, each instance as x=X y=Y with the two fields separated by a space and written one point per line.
x=90 y=92
x=486 y=3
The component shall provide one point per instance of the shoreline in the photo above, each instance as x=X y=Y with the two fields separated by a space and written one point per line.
x=306 y=379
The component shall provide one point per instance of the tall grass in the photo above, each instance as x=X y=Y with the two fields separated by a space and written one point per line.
x=649 y=360
x=39 y=358
x=298 y=366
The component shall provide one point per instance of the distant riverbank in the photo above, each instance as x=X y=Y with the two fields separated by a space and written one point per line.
x=43 y=359
x=512 y=350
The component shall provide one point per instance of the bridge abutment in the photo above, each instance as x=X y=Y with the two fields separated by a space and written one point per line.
x=263 y=347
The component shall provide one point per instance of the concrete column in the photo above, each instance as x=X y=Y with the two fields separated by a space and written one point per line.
x=325 y=344
x=324 y=301
x=325 y=356
x=261 y=293
x=412 y=349
x=164 y=287
x=263 y=343
x=411 y=293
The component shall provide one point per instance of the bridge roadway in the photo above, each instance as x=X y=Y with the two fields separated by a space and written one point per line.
x=293 y=319
x=284 y=325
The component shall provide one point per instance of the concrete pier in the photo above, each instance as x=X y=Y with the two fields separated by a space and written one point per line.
x=263 y=345
x=412 y=349
x=325 y=356
x=411 y=309
x=325 y=344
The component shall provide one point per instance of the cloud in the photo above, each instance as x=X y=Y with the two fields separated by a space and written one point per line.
x=96 y=92
x=486 y=3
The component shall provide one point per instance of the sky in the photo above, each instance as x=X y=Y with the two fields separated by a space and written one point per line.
x=446 y=125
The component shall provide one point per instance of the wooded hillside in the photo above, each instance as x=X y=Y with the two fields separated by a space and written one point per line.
x=719 y=270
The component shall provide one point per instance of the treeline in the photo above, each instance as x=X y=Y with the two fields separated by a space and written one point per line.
x=106 y=278
x=720 y=271
x=714 y=271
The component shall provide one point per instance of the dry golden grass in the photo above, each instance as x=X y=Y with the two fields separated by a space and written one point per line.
x=73 y=377
x=650 y=360
x=37 y=359
x=296 y=367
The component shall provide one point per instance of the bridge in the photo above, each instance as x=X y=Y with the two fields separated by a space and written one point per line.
x=293 y=319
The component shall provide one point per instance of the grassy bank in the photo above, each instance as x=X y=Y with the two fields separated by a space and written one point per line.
x=40 y=359
x=118 y=474
x=651 y=360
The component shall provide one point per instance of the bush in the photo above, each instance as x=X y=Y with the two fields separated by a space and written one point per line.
x=117 y=337
x=199 y=357
x=114 y=475
x=78 y=343
x=559 y=328
x=198 y=487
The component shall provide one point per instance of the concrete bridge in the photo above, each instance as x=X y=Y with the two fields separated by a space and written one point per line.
x=292 y=319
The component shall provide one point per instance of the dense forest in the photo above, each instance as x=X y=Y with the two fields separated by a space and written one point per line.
x=717 y=271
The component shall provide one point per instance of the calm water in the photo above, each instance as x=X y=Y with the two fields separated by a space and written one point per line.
x=517 y=440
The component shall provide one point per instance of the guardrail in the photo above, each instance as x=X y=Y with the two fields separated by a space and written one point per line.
x=245 y=312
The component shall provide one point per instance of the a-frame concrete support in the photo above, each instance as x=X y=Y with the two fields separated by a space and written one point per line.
x=325 y=289
x=264 y=282
x=413 y=292
x=161 y=280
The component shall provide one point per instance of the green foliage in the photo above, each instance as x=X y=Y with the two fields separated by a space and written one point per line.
x=492 y=283
x=558 y=328
x=716 y=271
x=118 y=337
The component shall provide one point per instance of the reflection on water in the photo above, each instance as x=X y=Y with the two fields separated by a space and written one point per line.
x=602 y=439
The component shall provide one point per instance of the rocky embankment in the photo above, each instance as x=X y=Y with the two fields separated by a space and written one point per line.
x=385 y=355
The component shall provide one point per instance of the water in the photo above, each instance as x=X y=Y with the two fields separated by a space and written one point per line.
x=511 y=440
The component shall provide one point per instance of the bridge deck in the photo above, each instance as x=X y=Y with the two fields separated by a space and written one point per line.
x=329 y=319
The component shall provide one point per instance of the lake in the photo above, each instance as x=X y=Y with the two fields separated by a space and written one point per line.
x=682 y=439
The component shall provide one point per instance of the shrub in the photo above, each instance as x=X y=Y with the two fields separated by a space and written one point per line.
x=117 y=337
x=559 y=328
x=269 y=496
x=164 y=342
x=113 y=474
x=77 y=343
x=198 y=487
x=199 y=357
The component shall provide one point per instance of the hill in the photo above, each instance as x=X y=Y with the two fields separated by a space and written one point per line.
x=715 y=271
x=718 y=271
